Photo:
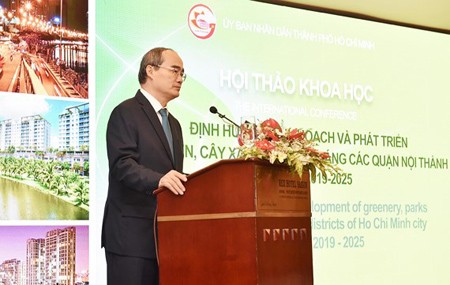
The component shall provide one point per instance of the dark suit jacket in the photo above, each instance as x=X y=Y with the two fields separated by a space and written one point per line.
x=139 y=155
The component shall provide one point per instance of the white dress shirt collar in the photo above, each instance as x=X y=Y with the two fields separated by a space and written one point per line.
x=155 y=103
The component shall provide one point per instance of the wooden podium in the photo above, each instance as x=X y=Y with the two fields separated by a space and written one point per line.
x=240 y=222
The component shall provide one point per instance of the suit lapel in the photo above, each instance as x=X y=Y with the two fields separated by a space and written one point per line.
x=154 y=120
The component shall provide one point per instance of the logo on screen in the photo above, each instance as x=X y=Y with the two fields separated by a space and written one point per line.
x=201 y=21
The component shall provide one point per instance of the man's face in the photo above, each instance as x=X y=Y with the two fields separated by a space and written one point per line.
x=167 y=78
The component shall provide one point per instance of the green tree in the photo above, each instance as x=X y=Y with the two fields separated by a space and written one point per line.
x=76 y=167
x=39 y=154
x=11 y=149
x=47 y=174
x=86 y=168
x=82 y=193
x=64 y=165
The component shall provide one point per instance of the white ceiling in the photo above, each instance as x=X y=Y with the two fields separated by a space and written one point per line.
x=425 y=14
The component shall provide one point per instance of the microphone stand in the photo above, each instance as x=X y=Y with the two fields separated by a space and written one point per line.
x=214 y=111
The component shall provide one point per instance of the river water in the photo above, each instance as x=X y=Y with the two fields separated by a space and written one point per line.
x=22 y=202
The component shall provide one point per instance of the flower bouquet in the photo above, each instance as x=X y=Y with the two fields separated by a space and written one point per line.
x=268 y=141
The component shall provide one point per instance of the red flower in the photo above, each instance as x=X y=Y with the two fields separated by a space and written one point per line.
x=264 y=145
x=240 y=142
x=271 y=135
x=324 y=155
x=312 y=150
x=296 y=134
x=270 y=124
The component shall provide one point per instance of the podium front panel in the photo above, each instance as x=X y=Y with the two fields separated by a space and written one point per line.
x=208 y=252
x=239 y=222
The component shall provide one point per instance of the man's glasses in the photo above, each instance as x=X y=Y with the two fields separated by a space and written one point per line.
x=175 y=71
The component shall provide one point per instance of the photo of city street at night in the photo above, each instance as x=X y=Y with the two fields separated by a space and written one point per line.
x=44 y=47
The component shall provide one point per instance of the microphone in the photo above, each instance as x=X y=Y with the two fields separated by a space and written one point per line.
x=213 y=110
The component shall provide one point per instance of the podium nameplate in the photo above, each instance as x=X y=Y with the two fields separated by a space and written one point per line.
x=281 y=191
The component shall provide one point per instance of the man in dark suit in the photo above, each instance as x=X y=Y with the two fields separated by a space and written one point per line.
x=142 y=157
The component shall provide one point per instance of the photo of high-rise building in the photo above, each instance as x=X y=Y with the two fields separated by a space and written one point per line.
x=74 y=127
x=11 y=271
x=28 y=132
x=34 y=260
x=44 y=255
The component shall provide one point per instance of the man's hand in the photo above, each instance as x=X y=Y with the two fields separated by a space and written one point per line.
x=173 y=180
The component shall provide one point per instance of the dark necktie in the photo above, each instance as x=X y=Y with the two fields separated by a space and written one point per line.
x=166 y=127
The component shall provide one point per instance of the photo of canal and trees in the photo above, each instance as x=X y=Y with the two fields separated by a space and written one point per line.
x=44 y=158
